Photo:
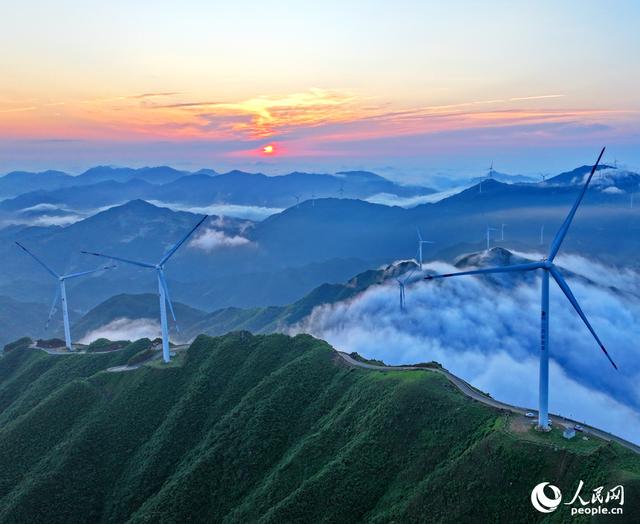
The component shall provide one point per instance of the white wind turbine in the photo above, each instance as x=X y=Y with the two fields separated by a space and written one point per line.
x=548 y=268
x=420 y=244
x=489 y=230
x=163 y=289
x=61 y=293
x=402 y=285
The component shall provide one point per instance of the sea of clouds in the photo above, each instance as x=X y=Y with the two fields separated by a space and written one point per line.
x=125 y=329
x=487 y=331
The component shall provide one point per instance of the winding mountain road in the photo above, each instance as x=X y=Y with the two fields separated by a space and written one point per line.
x=468 y=390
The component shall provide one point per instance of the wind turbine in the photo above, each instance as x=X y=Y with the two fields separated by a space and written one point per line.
x=502 y=232
x=548 y=268
x=489 y=230
x=420 y=243
x=401 y=284
x=61 y=292
x=163 y=289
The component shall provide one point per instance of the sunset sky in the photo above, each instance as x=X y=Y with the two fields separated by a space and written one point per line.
x=406 y=86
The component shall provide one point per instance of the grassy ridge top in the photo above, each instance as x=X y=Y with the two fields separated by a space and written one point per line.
x=266 y=428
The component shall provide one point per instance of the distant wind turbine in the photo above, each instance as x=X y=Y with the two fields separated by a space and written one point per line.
x=548 y=268
x=489 y=230
x=61 y=292
x=420 y=243
x=502 y=231
x=402 y=285
x=163 y=289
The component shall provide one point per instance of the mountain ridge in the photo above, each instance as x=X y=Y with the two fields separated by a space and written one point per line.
x=268 y=428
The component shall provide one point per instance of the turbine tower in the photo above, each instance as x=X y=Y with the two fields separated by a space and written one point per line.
x=163 y=289
x=489 y=230
x=548 y=268
x=420 y=243
x=61 y=293
x=402 y=299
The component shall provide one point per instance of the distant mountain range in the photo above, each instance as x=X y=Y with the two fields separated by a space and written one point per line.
x=507 y=179
x=277 y=261
x=243 y=263
x=272 y=319
x=18 y=318
x=102 y=186
x=257 y=320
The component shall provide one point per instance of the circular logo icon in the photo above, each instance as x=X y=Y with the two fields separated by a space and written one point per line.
x=542 y=502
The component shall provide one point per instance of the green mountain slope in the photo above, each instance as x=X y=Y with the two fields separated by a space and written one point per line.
x=257 y=320
x=246 y=428
x=131 y=306
x=275 y=318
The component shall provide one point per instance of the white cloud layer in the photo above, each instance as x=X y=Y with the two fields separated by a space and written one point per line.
x=125 y=329
x=255 y=213
x=489 y=334
x=211 y=239
x=389 y=199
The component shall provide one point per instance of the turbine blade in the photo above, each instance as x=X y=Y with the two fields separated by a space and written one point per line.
x=419 y=235
x=126 y=261
x=168 y=297
x=54 y=306
x=175 y=248
x=506 y=269
x=47 y=268
x=562 y=283
x=562 y=232
x=82 y=273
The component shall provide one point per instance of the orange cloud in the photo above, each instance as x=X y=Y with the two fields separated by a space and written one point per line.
x=316 y=114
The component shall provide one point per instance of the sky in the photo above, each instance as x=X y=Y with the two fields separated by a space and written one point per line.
x=406 y=88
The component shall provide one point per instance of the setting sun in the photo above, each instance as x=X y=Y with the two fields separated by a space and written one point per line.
x=268 y=149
